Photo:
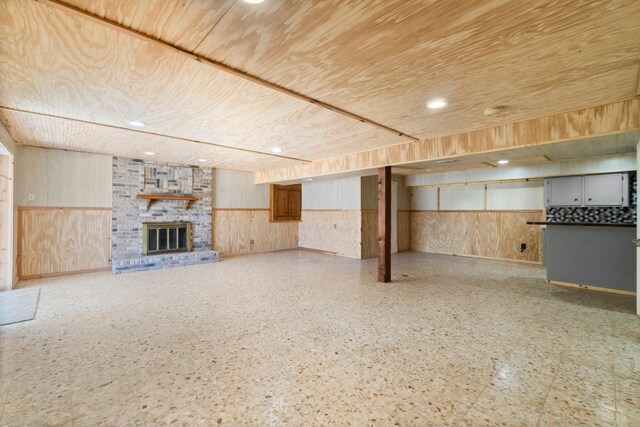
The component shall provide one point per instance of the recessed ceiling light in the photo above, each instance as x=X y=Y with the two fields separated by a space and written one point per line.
x=276 y=150
x=202 y=160
x=149 y=153
x=137 y=123
x=253 y=1
x=436 y=103
x=503 y=162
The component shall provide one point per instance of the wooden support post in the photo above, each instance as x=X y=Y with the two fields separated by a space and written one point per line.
x=384 y=224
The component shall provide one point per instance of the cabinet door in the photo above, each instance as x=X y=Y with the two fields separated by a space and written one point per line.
x=605 y=190
x=564 y=191
x=282 y=202
x=295 y=203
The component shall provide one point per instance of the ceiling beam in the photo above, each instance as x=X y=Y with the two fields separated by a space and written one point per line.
x=601 y=164
x=176 y=138
x=71 y=10
x=607 y=119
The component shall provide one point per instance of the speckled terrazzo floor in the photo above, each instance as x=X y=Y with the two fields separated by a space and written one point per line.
x=300 y=338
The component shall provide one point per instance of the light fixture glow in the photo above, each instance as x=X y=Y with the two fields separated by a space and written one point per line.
x=149 y=153
x=253 y=1
x=137 y=123
x=436 y=103
x=276 y=150
x=308 y=179
x=503 y=162
x=202 y=160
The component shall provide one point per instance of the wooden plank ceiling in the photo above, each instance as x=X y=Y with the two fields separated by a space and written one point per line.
x=319 y=79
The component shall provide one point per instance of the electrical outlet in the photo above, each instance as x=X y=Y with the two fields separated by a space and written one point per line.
x=32 y=197
x=251 y=242
x=523 y=246
x=335 y=226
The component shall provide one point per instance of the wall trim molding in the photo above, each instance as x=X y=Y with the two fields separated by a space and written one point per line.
x=240 y=209
x=62 y=208
x=481 y=257
x=591 y=288
x=489 y=182
x=65 y=273
x=334 y=210
x=480 y=210
x=303 y=248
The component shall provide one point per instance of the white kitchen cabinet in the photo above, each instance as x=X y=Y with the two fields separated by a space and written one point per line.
x=590 y=190
x=563 y=191
x=606 y=190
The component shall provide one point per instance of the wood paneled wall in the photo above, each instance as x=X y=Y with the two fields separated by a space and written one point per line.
x=237 y=189
x=404 y=231
x=332 y=194
x=335 y=231
x=248 y=231
x=62 y=178
x=240 y=215
x=56 y=241
x=370 y=232
x=488 y=234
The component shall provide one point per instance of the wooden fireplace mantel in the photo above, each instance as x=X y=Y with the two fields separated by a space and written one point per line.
x=150 y=198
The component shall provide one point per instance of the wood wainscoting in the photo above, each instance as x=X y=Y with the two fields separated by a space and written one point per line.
x=54 y=241
x=404 y=231
x=486 y=234
x=248 y=231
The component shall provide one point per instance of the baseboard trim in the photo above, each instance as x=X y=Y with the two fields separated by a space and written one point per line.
x=237 y=254
x=591 y=288
x=63 y=273
x=317 y=250
x=480 y=257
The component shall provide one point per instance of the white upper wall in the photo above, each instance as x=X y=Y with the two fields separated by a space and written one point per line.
x=515 y=196
x=424 y=198
x=343 y=193
x=62 y=178
x=462 y=198
x=500 y=196
x=238 y=190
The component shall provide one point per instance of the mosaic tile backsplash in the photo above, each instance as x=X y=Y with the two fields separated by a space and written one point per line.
x=607 y=215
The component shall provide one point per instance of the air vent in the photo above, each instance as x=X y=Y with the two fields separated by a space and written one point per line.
x=448 y=161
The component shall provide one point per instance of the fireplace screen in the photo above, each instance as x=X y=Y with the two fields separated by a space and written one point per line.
x=164 y=237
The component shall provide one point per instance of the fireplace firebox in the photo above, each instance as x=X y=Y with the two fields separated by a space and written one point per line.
x=166 y=237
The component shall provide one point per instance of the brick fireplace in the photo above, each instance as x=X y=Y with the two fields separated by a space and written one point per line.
x=132 y=217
